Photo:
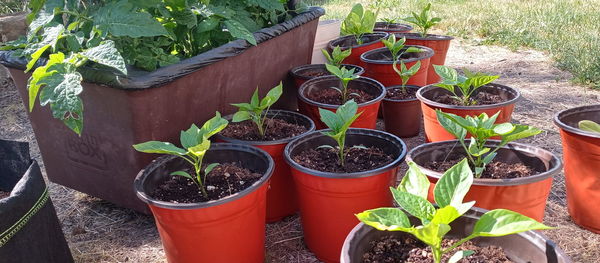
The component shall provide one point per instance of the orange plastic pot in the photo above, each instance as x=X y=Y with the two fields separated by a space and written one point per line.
x=328 y=201
x=439 y=44
x=369 y=109
x=379 y=66
x=581 y=154
x=303 y=73
x=392 y=28
x=402 y=117
x=370 y=41
x=281 y=196
x=231 y=229
x=434 y=132
x=526 y=195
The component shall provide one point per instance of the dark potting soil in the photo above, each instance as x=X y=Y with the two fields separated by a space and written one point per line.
x=4 y=194
x=276 y=129
x=390 y=249
x=224 y=180
x=356 y=159
x=313 y=73
x=494 y=170
x=481 y=98
x=333 y=97
x=397 y=94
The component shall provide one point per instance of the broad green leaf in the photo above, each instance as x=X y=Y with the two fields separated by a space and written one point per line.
x=237 y=30
x=520 y=132
x=414 y=181
x=447 y=121
x=454 y=184
x=243 y=106
x=159 y=147
x=445 y=215
x=185 y=17
x=464 y=207
x=210 y=167
x=200 y=149
x=488 y=158
x=481 y=80
x=504 y=128
x=272 y=96
x=413 y=50
x=330 y=119
x=414 y=205
x=241 y=116
x=106 y=54
x=347 y=111
x=431 y=234
x=49 y=37
x=460 y=255
x=446 y=73
x=589 y=126
x=213 y=126
x=474 y=150
x=190 y=137
x=389 y=219
x=184 y=174
x=502 y=222
x=39 y=74
x=254 y=100
x=119 y=19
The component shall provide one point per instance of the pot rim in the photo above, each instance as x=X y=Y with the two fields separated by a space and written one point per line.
x=399 y=86
x=428 y=54
x=374 y=83
x=331 y=45
x=138 y=183
x=474 y=107
x=352 y=131
x=383 y=26
x=587 y=108
x=295 y=72
x=428 y=37
x=276 y=113
x=512 y=146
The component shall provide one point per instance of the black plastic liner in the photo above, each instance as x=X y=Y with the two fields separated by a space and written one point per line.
x=140 y=79
x=41 y=238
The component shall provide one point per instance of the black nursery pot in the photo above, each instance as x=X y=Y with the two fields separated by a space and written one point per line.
x=303 y=73
x=29 y=228
x=392 y=27
x=529 y=246
x=370 y=41
x=402 y=117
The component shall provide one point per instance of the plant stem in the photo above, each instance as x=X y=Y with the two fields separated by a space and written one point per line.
x=199 y=177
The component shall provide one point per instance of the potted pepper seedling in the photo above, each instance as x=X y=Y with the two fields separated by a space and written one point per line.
x=330 y=92
x=401 y=108
x=256 y=124
x=196 y=193
x=471 y=94
x=448 y=229
x=580 y=134
x=338 y=172
x=305 y=72
x=508 y=175
x=357 y=34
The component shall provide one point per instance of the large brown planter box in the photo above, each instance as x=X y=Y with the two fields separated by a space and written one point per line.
x=134 y=109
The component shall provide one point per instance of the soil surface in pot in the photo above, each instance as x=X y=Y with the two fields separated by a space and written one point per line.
x=390 y=249
x=397 y=94
x=386 y=55
x=356 y=159
x=494 y=170
x=333 y=97
x=481 y=98
x=4 y=194
x=276 y=129
x=313 y=73
x=224 y=180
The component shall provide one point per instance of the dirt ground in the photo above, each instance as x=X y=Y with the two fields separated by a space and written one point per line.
x=98 y=231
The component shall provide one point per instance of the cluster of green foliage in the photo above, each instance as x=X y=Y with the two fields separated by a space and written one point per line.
x=195 y=142
x=589 y=126
x=397 y=47
x=359 y=22
x=338 y=124
x=345 y=75
x=449 y=192
x=482 y=128
x=115 y=33
x=423 y=20
x=258 y=109
x=467 y=84
x=337 y=56
x=406 y=73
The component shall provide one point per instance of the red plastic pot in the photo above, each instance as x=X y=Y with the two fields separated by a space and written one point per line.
x=526 y=195
x=231 y=229
x=438 y=43
x=434 y=132
x=402 y=117
x=379 y=66
x=581 y=154
x=370 y=41
x=281 y=196
x=392 y=28
x=303 y=73
x=369 y=109
x=328 y=201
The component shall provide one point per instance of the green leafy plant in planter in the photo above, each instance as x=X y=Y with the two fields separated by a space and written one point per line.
x=345 y=76
x=339 y=123
x=258 y=109
x=449 y=191
x=359 y=22
x=589 y=126
x=423 y=20
x=108 y=35
x=467 y=84
x=482 y=128
x=195 y=142
x=337 y=56
x=396 y=47
x=406 y=73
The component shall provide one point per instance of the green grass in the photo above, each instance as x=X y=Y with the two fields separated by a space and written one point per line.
x=12 y=6
x=569 y=30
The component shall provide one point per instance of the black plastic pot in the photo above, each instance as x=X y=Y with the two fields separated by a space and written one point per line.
x=210 y=231
x=529 y=246
x=402 y=117
x=305 y=72
x=370 y=41
x=29 y=228
x=328 y=201
x=526 y=195
x=392 y=27
x=124 y=110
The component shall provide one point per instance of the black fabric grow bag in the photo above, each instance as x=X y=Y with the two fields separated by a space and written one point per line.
x=29 y=227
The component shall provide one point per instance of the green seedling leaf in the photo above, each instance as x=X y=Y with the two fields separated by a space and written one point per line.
x=589 y=126
x=184 y=174
x=339 y=123
x=460 y=255
x=414 y=205
x=451 y=125
x=119 y=19
x=390 y=219
x=445 y=215
x=450 y=80
x=358 y=22
x=159 y=147
x=431 y=234
x=454 y=184
x=345 y=77
x=258 y=109
x=502 y=222
x=190 y=137
x=238 y=30
x=210 y=167
x=337 y=56
x=414 y=182
x=423 y=20
x=106 y=54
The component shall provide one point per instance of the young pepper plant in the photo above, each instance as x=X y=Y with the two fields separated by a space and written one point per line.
x=589 y=126
x=467 y=84
x=337 y=56
x=195 y=142
x=396 y=47
x=359 y=22
x=423 y=20
x=406 y=73
x=258 y=109
x=449 y=192
x=339 y=123
x=345 y=76
x=482 y=128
